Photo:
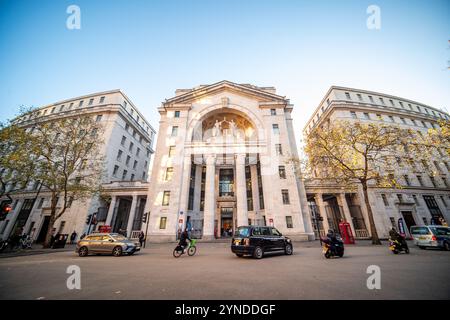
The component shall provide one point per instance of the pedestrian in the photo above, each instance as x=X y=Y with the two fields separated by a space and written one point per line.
x=73 y=237
x=189 y=226
x=141 y=237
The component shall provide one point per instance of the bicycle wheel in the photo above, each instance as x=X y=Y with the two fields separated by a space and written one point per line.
x=192 y=250
x=177 y=253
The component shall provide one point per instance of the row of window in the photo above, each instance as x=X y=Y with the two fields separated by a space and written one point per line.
x=401 y=104
x=400 y=198
x=125 y=174
x=379 y=117
x=289 y=223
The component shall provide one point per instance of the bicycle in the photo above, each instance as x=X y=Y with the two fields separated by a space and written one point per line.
x=191 y=249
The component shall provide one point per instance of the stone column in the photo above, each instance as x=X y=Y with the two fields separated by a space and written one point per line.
x=210 y=198
x=241 y=191
x=12 y=219
x=111 y=208
x=198 y=187
x=255 y=190
x=184 y=189
x=131 y=215
x=319 y=202
x=342 y=200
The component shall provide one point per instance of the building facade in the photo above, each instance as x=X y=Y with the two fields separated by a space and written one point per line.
x=222 y=161
x=127 y=150
x=423 y=199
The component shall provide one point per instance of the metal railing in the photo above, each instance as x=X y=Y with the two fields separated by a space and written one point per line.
x=362 y=233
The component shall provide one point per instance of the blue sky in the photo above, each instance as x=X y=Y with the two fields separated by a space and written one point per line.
x=150 y=48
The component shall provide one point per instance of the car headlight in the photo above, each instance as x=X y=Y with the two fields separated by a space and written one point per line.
x=288 y=240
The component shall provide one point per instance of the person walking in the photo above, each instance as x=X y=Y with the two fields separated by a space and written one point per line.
x=73 y=237
x=141 y=238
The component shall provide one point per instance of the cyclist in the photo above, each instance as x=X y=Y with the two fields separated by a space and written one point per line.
x=183 y=240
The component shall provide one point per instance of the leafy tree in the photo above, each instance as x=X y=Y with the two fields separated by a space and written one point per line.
x=366 y=153
x=18 y=151
x=69 y=165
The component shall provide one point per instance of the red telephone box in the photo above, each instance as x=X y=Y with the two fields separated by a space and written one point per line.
x=346 y=233
x=104 y=229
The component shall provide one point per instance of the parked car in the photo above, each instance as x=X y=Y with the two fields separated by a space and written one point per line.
x=431 y=236
x=107 y=243
x=256 y=241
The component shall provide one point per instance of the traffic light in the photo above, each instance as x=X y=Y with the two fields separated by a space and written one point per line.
x=144 y=217
x=5 y=209
x=88 y=219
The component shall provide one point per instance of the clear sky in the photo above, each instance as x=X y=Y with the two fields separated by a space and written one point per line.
x=150 y=48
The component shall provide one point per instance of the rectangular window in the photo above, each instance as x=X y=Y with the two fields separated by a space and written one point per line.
x=166 y=198
x=80 y=104
x=131 y=147
x=347 y=95
x=127 y=126
x=353 y=114
x=273 y=112
x=127 y=162
x=91 y=101
x=138 y=151
x=171 y=151
x=419 y=178
x=98 y=118
x=282 y=172
x=385 y=200
x=381 y=100
x=443 y=201
x=391 y=118
x=177 y=114
x=408 y=183
x=102 y=99
x=169 y=174
x=278 y=149
x=403 y=120
x=162 y=222
x=366 y=116
x=124 y=174
x=401 y=104
x=285 y=195
x=41 y=202
x=371 y=99
x=400 y=198
x=135 y=164
x=119 y=155
x=433 y=181
x=379 y=117
x=276 y=129
x=123 y=140
x=359 y=97
x=116 y=168
x=132 y=177
x=392 y=102
x=174 y=131
x=289 y=223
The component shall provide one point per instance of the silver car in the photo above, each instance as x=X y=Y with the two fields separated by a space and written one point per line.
x=431 y=236
x=109 y=243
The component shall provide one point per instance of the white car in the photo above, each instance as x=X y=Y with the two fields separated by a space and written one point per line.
x=434 y=236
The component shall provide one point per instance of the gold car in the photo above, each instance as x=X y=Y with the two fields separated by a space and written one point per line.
x=109 y=243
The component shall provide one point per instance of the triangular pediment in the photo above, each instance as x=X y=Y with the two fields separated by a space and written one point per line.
x=244 y=89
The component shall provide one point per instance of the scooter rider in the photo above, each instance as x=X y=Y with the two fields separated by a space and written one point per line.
x=183 y=239
x=331 y=236
x=395 y=236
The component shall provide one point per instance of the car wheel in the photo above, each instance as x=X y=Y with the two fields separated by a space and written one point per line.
x=83 y=252
x=117 y=251
x=240 y=255
x=288 y=249
x=258 y=253
x=447 y=246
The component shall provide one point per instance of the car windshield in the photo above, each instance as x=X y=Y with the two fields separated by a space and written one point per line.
x=242 y=232
x=118 y=237
x=441 y=231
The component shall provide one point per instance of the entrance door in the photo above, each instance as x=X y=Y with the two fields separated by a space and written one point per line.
x=409 y=219
x=121 y=219
x=226 y=223
x=44 y=229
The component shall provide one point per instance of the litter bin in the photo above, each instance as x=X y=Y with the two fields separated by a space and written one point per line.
x=60 y=241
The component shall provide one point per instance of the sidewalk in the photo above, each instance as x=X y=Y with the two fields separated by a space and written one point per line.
x=37 y=249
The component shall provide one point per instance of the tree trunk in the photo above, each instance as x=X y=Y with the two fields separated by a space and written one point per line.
x=48 y=236
x=373 y=229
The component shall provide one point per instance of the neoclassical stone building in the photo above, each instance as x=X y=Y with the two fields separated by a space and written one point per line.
x=425 y=194
x=222 y=161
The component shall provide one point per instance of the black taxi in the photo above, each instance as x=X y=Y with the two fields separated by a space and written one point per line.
x=256 y=241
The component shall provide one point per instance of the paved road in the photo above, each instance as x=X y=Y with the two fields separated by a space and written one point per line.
x=215 y=273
